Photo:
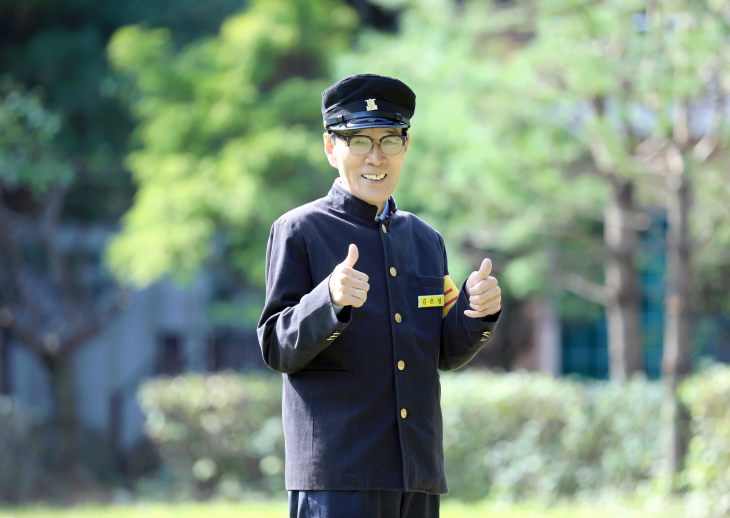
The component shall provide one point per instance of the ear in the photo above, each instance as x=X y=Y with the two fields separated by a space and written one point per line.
x=329 y=149
x=408 y=141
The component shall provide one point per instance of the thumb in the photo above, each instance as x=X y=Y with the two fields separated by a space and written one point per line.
x=352 y=255
x=485 y=269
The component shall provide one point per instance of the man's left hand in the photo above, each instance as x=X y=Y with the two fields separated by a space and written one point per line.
x=485 y=296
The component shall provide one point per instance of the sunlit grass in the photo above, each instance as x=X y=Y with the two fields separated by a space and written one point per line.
x=491 y=509
x=449 y=509
x=187 y=510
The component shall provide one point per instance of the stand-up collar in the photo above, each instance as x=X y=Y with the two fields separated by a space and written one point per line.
x=344 y=200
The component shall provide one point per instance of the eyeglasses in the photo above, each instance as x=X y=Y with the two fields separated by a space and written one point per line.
x=362 y=144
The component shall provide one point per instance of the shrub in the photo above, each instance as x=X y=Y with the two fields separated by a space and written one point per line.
x=707 y=465
x=528 y=435
x=512 y=436
x=218 y=433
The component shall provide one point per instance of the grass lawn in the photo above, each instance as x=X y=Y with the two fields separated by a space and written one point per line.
x=449 y=509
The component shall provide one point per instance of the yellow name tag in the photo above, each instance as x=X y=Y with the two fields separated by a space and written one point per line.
x=430 y=301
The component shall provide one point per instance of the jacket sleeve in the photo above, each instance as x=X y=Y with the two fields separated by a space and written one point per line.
x=298 y=320
x=461 y=336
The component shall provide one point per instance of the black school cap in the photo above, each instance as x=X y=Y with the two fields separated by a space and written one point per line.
x=368 y=101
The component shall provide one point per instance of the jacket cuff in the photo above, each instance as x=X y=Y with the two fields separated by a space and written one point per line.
x=492 y=318
x=337 y=317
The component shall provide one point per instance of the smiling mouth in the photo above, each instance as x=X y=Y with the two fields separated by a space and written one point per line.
x=374 y=177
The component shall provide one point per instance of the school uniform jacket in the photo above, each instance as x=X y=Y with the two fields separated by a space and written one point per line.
x=361 y=400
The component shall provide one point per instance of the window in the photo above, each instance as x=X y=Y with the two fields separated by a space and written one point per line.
x=170 y=359
x=233 y=349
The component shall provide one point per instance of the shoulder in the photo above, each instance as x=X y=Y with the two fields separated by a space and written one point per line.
x=419 y=226
x=298 y=217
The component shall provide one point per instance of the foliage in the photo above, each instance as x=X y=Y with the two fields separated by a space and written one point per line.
x=526 y=109
x=707 y=475
x=491 y=178
x=229 y=135
x=516 y=436
x=523 y=435
x=216 y=434
x=60 y=47
x=53 y=294
x=711 y=228
x=527 y=112
x=29 y=154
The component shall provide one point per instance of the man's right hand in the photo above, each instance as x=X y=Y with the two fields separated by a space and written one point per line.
x=348 y=287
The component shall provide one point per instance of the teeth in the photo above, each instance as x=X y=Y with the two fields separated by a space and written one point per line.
x=374 y=176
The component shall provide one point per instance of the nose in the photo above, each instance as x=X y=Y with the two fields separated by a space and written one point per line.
x=376 y=156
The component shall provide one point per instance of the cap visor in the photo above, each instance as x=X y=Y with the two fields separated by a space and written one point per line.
x=365 y=123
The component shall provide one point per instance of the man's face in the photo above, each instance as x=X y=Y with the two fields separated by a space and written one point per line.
x=371 y=177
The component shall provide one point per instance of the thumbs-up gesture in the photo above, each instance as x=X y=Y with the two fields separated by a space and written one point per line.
x=485 y=296
x=348 y=287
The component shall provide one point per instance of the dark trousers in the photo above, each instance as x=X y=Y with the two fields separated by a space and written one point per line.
x=362 y=504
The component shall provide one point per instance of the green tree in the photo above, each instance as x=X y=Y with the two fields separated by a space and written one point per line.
x=229 y=135
x=627 y=95
x=61 y=47
x=53 y=295
x=684 y=83
x=502 y=149
x=61 y=171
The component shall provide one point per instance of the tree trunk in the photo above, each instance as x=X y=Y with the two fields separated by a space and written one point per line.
x=548 y=336
x=65 y=423
x=676 y=360
x=623 y=302
x=540 y=336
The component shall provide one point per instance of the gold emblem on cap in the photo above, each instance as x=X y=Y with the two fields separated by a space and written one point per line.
x=371 y=104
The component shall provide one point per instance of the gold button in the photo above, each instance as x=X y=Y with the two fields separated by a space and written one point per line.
x=385 y=231
x=401 y=365
x=392 y=271
x=403 y=413
x=398 y=318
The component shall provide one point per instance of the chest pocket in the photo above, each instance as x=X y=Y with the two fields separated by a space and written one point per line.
x=428 y=316
x=430 y=282
x=430 y=292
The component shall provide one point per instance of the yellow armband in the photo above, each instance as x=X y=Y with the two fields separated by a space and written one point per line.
x=451 y=293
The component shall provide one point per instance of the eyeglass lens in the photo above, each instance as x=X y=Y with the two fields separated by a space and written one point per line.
x=390 y=145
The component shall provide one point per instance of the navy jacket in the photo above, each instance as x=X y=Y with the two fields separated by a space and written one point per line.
x=361 y=402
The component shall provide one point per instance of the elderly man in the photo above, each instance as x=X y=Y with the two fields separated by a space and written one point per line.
x=359 y=341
